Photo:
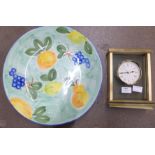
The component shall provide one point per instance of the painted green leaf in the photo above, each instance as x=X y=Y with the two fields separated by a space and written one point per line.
x=44 y=77
x=88 y=48
x=33 y=93
x=30 y=51
x=60 y=55
x=48 y=43
x=36 y=85
x=39 y=111
x=61 y=48
x=38 y=44
x=62 y=29
x=52 y=74
x=42 y=119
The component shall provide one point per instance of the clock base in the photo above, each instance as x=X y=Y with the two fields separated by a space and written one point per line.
x=147 y=106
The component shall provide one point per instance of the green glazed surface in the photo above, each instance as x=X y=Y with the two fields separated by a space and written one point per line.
x=58 y=88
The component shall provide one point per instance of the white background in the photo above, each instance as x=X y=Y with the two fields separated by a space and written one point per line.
x=77 y=141
x=77 y=12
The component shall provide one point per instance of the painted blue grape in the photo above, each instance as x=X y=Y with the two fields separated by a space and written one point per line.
x=14 y=84
x=74 y=59
x=22 y=84
x=23 y=79
x=14 y=79
x=19 y=77
x=15 y=76
x=88 y=65
x=79 y=59
x=86 y=60
x=11 y=73
x=18 y=81
x=13 y=70
x=83 y=60
x=18 y=87
x=78 y=54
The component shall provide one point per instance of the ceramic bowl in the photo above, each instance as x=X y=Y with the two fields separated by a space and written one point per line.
x=52 y=75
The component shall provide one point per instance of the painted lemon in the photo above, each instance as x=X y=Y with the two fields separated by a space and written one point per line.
x=52 y=88
x=46 y=59
x=22 y=107
x=80 y=96
x=76 y=37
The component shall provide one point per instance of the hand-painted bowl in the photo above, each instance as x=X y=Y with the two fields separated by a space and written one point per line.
x=52 y=75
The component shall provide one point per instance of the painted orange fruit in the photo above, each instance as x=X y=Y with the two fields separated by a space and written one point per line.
x=80 y=96
x=22 y=107
x=46 y=59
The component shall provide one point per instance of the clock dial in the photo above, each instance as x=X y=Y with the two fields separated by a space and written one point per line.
x=129 y=72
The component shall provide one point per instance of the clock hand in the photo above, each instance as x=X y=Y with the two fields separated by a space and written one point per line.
x=133 y=72
x=127 y=72
x=124 y=72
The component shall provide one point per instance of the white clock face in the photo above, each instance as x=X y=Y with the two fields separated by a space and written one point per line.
x=129 y=72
